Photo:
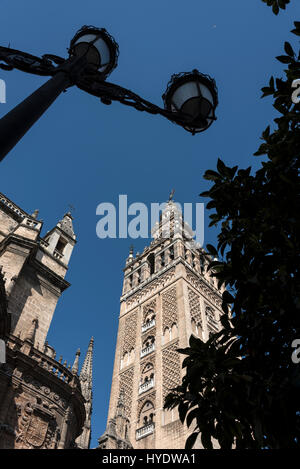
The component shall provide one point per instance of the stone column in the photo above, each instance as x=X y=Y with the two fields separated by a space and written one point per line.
x=145 y=271
x=178 y=249
x=64 y=430
x=197 y=264
x=189 y=256
x=126 y=286
x=167 y=256
x=135 y=279
x=157 y=263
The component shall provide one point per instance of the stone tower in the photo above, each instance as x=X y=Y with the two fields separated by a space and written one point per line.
x=167 y=296
x=42 y=403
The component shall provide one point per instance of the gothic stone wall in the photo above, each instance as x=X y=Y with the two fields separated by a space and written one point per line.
x=32 y=297
x=33 y=407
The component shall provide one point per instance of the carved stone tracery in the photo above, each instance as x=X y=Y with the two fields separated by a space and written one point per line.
x=126 y=387
x=148 y=307
x=171 y=368
x=149 y=289
x=194 y=302
x=129 y=333
x=148 y=397
x=169 y=308
x=204 y=289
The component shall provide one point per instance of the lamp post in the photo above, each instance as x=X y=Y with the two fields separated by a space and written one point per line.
x=189 y=101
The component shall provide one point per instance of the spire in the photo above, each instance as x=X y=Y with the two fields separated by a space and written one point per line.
x=130 y=257
x=86 y=375
x=76 y=361
x=171 y=195
x=35 y=214
x=87 y=367
x=66 y=225
x=172 y=223
x=60 y=240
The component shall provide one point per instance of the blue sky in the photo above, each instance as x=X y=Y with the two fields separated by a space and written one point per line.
x=83 y=153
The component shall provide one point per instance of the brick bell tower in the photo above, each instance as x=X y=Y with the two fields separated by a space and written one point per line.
x=167 y=296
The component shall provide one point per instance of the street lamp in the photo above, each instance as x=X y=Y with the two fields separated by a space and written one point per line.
x=99 y=48
x=194 y=95
x=189 y=101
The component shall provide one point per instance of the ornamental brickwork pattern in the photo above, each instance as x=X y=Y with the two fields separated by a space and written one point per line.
x=195 y=307
x=129 y=333
x=151 y=288
x=171 y=368
x=169 y=308
x=126 y=387
x=207 y=291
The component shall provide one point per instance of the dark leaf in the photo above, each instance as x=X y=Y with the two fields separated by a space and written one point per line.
x=191 y=440
x=212 y=250
x=288 y=49
x=211 y=175
x=284 y=59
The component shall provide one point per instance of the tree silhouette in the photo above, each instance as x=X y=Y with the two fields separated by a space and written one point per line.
x=242 y=387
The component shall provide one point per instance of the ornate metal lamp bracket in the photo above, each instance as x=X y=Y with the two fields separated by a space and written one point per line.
x=12 y=58
x=89 y=81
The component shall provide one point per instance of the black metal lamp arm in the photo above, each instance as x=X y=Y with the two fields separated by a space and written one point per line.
x=12 y=58
x=92 y=83
x=108 y=92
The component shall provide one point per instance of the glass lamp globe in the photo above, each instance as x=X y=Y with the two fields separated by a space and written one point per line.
x=192 y=96
x=98 y=46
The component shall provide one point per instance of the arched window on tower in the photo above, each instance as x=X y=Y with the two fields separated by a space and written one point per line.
x=127 y=358
x=202 y=264
x=147 y=378
x=131 y=355
x=61 y=244
x=148 y=346
x=149 y=320
x=124 y=360
x=151 y=262
x=196 y=329
x=174 y=331
x=185 y=253
x=139 y=276
x=146 y=420
x=166 y=335
x=171 y=253
x=170 y=333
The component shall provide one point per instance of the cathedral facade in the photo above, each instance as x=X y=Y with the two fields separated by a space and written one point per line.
x=167 y=296
x=44 y=402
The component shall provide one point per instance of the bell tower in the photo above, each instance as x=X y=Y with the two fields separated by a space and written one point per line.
x=167 y=296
